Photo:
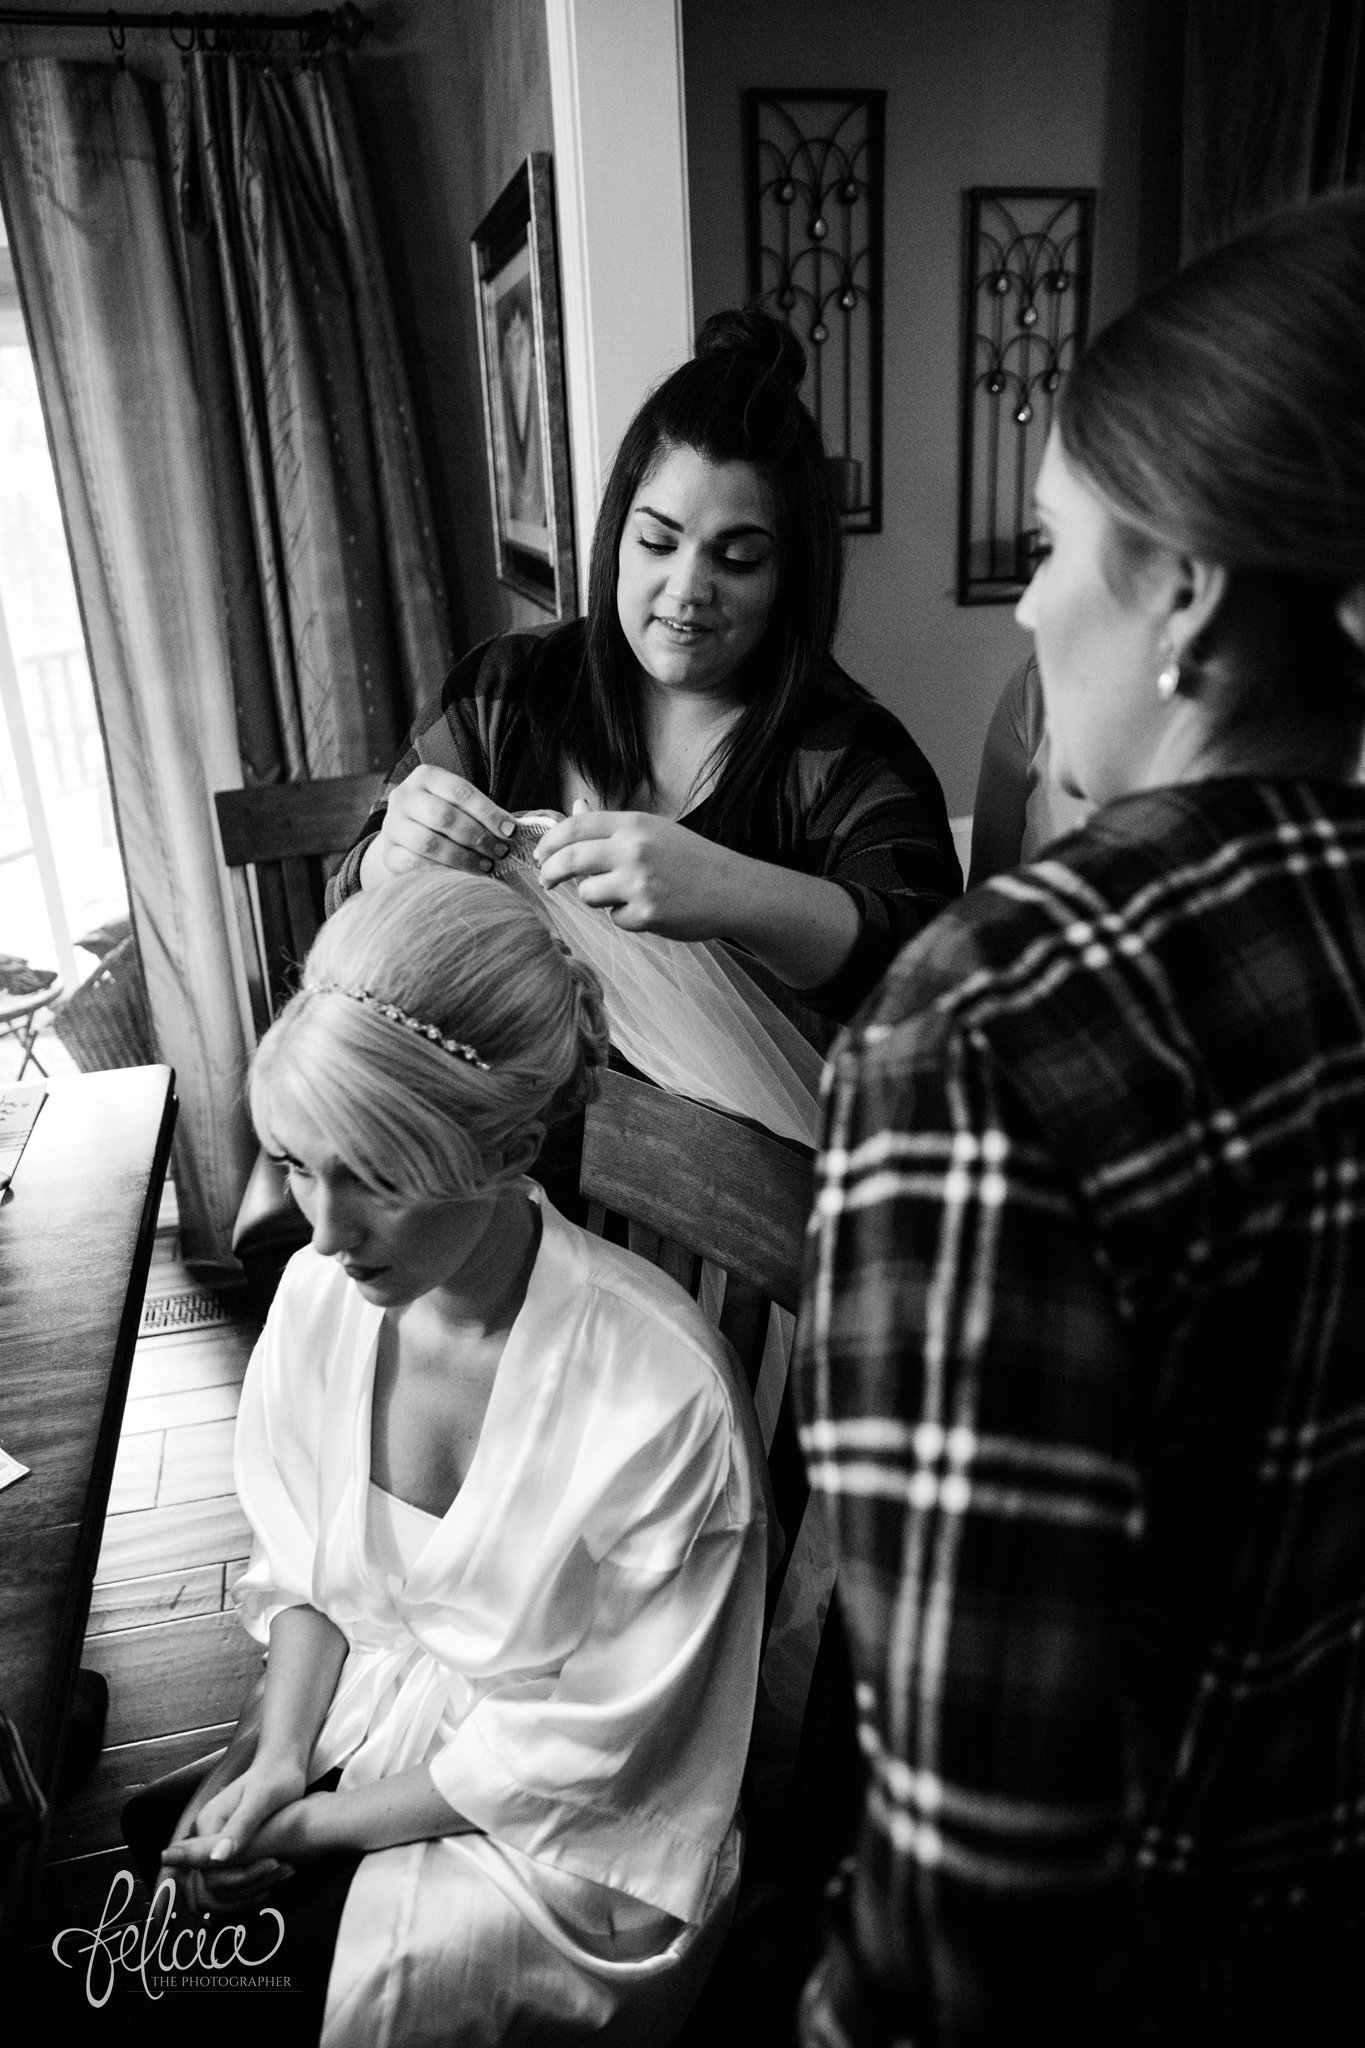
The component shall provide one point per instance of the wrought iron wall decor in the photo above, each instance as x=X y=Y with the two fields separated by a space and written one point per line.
x=1026 y=304
x=815 y=183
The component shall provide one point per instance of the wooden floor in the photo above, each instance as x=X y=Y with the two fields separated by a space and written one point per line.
x=162 y=1628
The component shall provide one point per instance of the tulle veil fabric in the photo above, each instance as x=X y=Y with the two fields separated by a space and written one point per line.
x=682 y=1012
x=688 y=1016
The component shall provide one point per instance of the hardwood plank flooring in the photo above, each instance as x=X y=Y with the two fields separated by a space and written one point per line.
x=174 y=1675
x=190 y=1359
x=164 y=1596
x=162 y=1627
x=162 y=1539
x=137 y=1473
x=89 y=1820
x=176 y=1411
x=197 y=1463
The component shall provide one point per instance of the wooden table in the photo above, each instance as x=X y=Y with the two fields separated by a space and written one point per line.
x=75 y=1241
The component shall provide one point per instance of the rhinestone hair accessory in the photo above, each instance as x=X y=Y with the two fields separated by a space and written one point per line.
x=455 y=1046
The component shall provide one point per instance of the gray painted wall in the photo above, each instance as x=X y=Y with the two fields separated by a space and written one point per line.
x=979 y=92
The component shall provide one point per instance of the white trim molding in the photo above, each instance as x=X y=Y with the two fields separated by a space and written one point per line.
x=625 y=246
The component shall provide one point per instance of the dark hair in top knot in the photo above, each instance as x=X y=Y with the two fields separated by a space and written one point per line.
x=760 y=344
x=737 y=400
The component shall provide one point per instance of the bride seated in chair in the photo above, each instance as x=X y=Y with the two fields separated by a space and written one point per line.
x=510 y=1537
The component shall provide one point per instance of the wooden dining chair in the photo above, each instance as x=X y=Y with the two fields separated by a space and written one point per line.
x=722 y=1207
x=286 y=837
x=280 y=844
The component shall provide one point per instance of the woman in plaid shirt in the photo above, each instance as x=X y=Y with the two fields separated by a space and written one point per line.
x=1083 y=1348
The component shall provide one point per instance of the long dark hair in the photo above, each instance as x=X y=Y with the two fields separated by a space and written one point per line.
x=737 y=400
x=1224 y=415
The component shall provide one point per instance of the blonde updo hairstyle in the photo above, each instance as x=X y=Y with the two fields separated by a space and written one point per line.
x=407 y=1117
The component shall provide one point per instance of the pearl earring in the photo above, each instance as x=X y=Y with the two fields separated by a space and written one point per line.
x=1168 y=682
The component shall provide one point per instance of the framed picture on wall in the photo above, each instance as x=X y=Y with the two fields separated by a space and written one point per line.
x=521 y=360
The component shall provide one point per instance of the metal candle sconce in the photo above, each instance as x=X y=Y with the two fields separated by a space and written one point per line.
x=1027 y=302
x=814 y=164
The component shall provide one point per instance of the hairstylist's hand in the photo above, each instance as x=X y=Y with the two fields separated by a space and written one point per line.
x=651 y=874
x=438 y=819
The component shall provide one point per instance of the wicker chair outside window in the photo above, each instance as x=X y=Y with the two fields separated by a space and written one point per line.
x=105 y=1022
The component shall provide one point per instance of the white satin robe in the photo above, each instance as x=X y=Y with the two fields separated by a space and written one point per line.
x=573 y=1655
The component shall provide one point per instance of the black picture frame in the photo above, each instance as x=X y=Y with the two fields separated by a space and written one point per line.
x=521 y=371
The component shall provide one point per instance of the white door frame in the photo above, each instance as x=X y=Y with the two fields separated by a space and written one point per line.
x=625 y=246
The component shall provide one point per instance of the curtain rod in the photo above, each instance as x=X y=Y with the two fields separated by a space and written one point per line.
x=345 y=25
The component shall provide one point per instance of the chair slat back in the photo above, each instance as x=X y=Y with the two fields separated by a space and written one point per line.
x=701 y=1191
x=732 y=1194
x=697 y=1186
x=286 y=834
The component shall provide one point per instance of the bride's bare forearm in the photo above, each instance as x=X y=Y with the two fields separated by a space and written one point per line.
x=404 y=1808
x=307 y=1652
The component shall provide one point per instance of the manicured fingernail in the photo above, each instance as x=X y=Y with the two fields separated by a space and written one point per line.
x=508 y=826
x=487 y=866
x=221 y=1851
x=501 y=852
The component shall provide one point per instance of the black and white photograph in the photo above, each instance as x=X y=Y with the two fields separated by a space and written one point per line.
x=682 y=1024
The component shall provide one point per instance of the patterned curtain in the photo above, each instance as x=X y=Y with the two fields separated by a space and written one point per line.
x=1274 y=109
x=245 y=506
x=337 y=622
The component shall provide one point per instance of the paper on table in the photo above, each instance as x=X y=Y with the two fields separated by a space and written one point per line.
x=10 y=1469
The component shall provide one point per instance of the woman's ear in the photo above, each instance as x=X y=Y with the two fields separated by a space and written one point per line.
x=1197 y=590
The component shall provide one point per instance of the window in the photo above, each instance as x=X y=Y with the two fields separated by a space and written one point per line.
x=60 y=872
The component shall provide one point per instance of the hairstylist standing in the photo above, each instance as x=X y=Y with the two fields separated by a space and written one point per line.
x=726 y=779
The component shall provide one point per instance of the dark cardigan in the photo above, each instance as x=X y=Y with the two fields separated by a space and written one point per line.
x=855 y=802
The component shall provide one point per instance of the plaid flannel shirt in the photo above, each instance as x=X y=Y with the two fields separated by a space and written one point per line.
x=1082 y=1366
x=856 y=802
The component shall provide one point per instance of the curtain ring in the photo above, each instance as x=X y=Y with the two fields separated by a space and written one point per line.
x=118 y=39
